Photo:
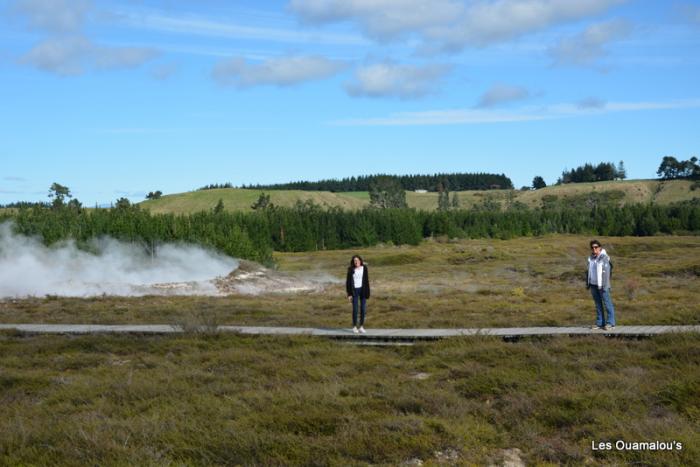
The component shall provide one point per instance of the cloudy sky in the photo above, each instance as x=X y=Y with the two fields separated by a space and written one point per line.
x=119 y=98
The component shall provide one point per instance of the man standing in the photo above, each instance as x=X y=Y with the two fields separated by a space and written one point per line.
x=599 y=268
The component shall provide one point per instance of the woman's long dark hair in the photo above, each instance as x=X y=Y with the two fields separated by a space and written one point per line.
x=352 y=261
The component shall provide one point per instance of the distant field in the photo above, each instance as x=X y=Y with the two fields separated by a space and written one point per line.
x=628 y=191
x=635 y=191
x=528 y=281
x=242 y=199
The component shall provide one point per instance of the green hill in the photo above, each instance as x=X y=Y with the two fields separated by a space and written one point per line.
x=615 y=192
x=235 y=199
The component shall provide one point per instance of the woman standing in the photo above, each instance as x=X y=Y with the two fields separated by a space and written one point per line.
x=357 y=287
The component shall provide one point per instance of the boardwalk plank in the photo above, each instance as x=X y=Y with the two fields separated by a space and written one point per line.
x=344 y=332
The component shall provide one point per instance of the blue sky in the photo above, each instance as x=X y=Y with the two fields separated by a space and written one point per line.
x=121 y=98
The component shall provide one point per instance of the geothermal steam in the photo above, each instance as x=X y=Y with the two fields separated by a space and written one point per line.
x=29 y=268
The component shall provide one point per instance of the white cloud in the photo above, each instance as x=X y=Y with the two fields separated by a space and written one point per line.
x=587 y=47
x=391 y=80
x=58 y=16
x=164 y=72
x=136 y=131
x=284 y=71
x=502 y=93
x=66 y=50
x=73 y=55
x=121 y=57
x=201 y=26
x=524 y=114
x=381 y=18
x=591 y=103
x=65 y=56
x=487 y=23
x=690 y=13
x=449 y=24
x=444 y=117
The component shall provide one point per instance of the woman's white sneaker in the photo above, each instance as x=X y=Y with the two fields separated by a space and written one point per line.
x=355 y=330
x=362 y=330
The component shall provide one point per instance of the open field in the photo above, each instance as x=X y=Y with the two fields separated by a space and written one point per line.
x=214 y=399
x=234 y=400
x=628 y=191
x=625 y=192
x=437 y=284
x=634 y=191
x=241 y=199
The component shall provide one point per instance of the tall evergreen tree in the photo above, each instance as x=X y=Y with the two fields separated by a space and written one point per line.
x=538 y=182
x=621 y=171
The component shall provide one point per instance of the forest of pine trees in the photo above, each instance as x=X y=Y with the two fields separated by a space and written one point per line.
x=307 y=226
x=453 y=182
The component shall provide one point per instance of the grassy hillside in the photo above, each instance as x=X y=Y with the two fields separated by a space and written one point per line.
x=242 y=199
x=622 y=192
x=635 y=191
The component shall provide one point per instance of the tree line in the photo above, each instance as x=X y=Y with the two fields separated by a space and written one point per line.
x=216 y=186
x=587 y=173
x=307 y=226
x=671 y=169
x=451 y=181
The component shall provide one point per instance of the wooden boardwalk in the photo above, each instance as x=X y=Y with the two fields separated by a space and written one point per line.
x=377 y=334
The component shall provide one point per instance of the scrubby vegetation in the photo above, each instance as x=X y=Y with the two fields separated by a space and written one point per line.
x=232 y=400
x=528 y=281
x=211 y=399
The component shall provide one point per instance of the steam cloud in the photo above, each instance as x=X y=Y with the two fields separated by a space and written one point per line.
x=29 y=268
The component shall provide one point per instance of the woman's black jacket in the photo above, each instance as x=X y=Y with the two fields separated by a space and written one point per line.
x=349 y=284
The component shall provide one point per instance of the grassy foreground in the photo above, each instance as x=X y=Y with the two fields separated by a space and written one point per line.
x=234 y=400
x=242 y=400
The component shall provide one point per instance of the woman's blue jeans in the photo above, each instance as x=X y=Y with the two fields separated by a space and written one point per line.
x=358 y=297
x=600 y=297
